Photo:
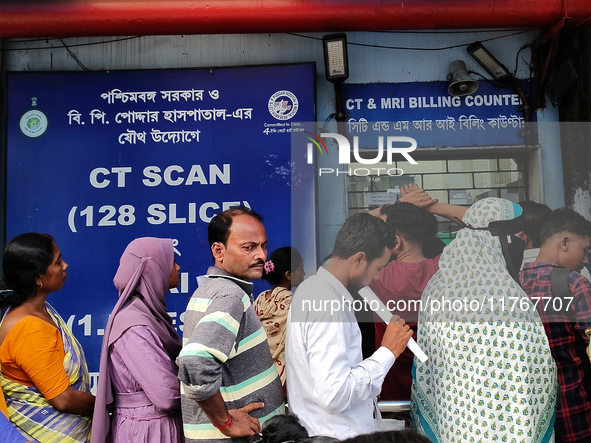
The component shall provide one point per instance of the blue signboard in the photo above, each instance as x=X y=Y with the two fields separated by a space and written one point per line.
x=98 y=159
x=427 y=113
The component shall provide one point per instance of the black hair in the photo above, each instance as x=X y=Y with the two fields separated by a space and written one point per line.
x=363 y=232
x=218 y=229
x=416 y=226
x=534 y=215
x=26 y=257
x=283 y=259
x=408 y=221
x=430 y=225
x=565 y=220
x=283 y=428
x=432 y=247
x=399 y=436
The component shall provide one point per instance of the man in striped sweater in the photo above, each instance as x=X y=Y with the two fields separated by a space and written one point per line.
x=229 y=385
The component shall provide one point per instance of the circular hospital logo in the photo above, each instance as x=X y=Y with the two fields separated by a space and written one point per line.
x=283 y=105
x=33 y=123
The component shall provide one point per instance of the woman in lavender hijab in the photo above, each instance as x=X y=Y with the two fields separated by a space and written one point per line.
x=138 y=376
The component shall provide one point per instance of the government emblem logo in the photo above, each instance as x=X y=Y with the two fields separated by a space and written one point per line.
x=33 y=123
x=283 y=105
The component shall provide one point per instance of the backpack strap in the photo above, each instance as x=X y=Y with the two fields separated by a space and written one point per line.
x=559 y=282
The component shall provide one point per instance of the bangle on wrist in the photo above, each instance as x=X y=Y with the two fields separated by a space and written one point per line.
x=228 y=423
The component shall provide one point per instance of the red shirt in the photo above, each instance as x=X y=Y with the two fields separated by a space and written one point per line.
x=399 y=283
x=568 y=342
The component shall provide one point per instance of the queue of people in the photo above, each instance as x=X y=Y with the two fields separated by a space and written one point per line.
x=496 y=373
x=553 y=241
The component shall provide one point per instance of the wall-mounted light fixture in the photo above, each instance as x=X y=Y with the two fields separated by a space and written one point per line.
x=500 y=73
x=336 y=61
x=494 y=67
x=461 y=82
x=336 y=69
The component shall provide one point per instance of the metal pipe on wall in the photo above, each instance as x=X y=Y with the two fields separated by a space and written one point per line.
x=68 y=18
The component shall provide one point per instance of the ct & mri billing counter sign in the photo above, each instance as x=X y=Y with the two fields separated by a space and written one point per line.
x=98 y=159
x=387 y=122
x=427 y=113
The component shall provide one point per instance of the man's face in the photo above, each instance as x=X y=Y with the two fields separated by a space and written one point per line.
x=575 y=254
x=245 y=252
x=370 y=271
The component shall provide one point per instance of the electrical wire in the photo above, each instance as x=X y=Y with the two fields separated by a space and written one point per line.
x=74 y=56
x=103 y=42
x=517 y=60
x=404 y=48
x=419 y=48
x=25 y=48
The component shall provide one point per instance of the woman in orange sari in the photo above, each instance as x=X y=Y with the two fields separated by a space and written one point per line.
x=43 y=372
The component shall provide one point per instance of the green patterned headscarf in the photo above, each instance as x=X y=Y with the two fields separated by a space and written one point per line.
x=490 y=374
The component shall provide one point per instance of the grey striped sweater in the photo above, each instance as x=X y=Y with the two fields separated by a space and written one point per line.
x=224 y=348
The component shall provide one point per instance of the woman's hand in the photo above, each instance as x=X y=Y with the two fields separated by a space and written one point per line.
x=411 y=193
x=73 y=401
